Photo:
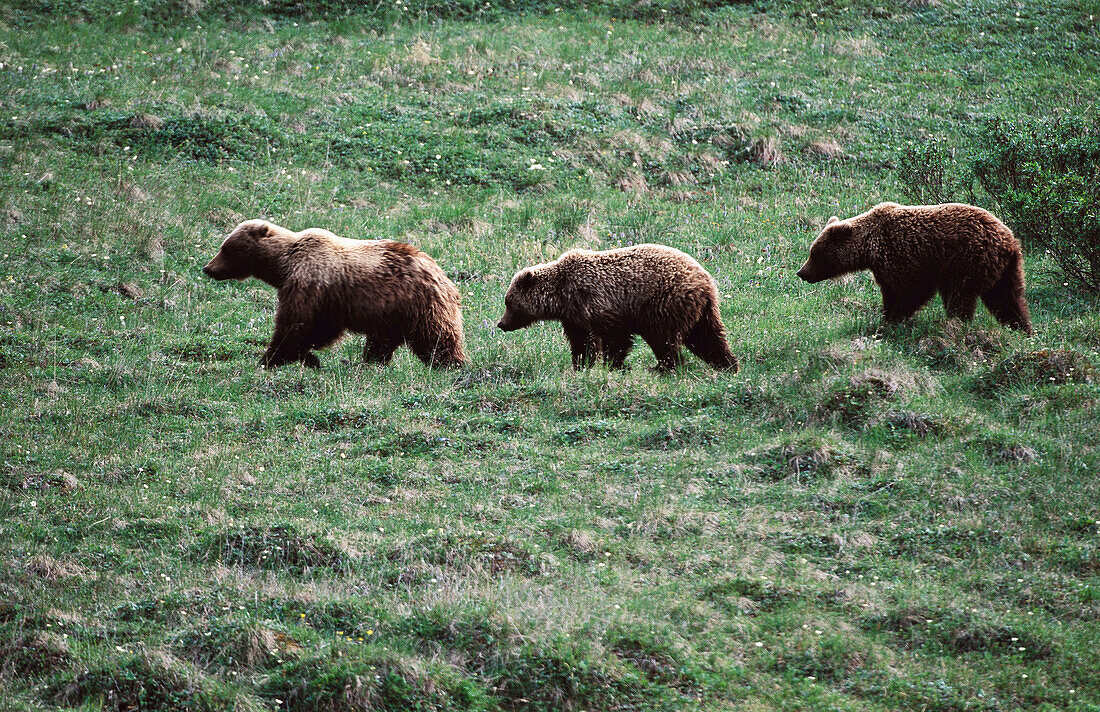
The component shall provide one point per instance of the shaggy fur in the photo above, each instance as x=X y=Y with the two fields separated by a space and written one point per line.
x=961 y=251
x=603 y=298
x=388 y=291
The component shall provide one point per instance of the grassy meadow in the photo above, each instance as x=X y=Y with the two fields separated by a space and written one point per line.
x=862 y=518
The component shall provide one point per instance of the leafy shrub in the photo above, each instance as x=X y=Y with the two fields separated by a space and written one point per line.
x=1045 y=177
x=930 y=173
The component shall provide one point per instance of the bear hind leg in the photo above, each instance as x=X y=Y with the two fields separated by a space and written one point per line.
x=1005 y=299
x=707 y=340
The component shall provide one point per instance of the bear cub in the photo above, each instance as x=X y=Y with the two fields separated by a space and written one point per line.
x=603 y=299
x=390 y=292
x=913 y=251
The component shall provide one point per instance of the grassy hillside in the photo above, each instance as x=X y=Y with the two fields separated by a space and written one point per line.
x=863 y=518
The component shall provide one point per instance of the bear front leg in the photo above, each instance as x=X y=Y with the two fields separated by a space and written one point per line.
x=380 y=347
x=900 y=304
x=959 y=304
x=1005 y=299
x=667 y=351
x=616 y=347
x=584 y=345
x=290 y=342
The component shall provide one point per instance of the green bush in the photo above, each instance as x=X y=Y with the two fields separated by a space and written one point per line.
x=930 y=173
x=1045 y=177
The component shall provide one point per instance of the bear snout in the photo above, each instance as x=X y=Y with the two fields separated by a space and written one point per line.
x=807 y=275
x=215 y=270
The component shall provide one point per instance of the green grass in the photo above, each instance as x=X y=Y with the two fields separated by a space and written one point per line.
x=863 y=518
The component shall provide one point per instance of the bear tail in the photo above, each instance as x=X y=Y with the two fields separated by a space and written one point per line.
x=707 y=339
x=1005 y=299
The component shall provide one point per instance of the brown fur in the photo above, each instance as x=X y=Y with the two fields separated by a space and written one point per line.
x=603 y=299
x=388 y=291
x=913 y=251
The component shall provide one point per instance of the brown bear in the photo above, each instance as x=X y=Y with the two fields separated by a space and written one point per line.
x=913 y=251
x=603 y=299
x=388 y=291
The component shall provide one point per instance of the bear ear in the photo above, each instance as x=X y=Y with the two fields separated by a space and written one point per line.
x=526 y=277
x=840 y=231
x=832 y=220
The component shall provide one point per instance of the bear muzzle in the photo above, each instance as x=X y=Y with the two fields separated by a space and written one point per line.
x=216 y=271
x=807 y=275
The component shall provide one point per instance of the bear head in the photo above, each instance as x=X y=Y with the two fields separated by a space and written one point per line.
x=835 y=252
x=237 y=258
x=530 y=298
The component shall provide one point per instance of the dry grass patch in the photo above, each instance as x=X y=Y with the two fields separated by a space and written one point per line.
x=766 y=151
x=857 y=47
x=632 y=183
x=47 y=567
x=146 y=122
x=825 y=148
